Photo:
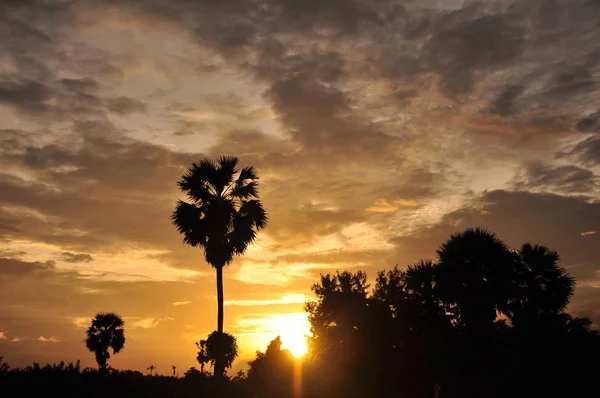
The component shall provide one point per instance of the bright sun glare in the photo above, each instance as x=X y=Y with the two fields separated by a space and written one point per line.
x=293 y=330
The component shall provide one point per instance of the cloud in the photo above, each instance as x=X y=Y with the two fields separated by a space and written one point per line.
x=177 y=303
x=82 y=322
x=569 y=179
x=286 y=299
x=15 y=266
x=588 y=151
x=50 y=339
x=76 y=258
x=383 y=206
x=588 y=233
x=148 y=323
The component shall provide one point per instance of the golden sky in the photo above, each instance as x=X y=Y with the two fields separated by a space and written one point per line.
x=377 y=128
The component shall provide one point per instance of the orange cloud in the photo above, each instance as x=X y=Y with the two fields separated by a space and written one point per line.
x=383 y=206
x=588 y=233
x=48 y=339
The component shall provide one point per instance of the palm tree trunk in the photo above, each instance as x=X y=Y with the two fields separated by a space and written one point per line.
x=220 y=299
x=219 y=362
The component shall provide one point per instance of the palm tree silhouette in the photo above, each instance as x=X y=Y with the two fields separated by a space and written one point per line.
x=543 y=289
x=151 y=368
x=174 y=370
x=475 y=276
x=106 y=331
x=221 y=347
x=223 y=216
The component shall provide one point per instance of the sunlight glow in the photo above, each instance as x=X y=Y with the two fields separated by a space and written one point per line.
x=293 y=330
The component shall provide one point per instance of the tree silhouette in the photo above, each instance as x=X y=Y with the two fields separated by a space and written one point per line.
x=221 y=347
x=271 y=373
x=475 y=277
x=223 y=216
x=543 y=288
x=202 y=356
x=106 y=331
x=174 y=370
x=151 y=369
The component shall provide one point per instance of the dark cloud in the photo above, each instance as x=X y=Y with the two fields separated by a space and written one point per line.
x=26 y=96
x=462 y=46
x=569 y=179
x=588 y=150
x=589 y=123
x=76 y=257
x=504 y=104
x=125 y=105
x=15 y=266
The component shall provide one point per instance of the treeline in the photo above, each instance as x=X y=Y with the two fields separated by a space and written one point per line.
x=482 y=320
x=69 y=380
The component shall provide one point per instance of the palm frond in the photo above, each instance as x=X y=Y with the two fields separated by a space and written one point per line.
x=190 y=222
x=254 y=210
x=199 y=180
x=249 y=190
x=226 y=171
x=247 y=173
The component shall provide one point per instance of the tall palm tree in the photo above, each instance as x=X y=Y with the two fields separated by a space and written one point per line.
x=106 y=331
x=223 y=216
x=475 y=276
x=151 y=369
x=543 y=289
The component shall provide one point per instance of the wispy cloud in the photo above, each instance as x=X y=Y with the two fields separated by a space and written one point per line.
x=588 y=233
x=148 y=323
x=48 y=339
x=286 y=299
x=383 y=206
x=176 y=303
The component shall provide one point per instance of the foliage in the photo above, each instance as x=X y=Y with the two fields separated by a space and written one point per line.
x=223 y=214
x=221 y=346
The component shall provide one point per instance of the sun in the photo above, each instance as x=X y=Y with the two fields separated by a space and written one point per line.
x=294 y=341
x=293 y=329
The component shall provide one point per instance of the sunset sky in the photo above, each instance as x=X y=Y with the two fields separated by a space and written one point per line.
x=377 y=127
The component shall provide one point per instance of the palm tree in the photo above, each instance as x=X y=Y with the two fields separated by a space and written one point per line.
x=105 y=332
x=475 y=276
x=543 y=289
x=223 y=216
x=151 y=369
x=174 y=370
x=221 y=347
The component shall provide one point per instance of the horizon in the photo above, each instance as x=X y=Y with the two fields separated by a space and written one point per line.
x=376 y=131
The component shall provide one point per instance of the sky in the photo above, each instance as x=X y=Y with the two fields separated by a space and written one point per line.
x=377 y=127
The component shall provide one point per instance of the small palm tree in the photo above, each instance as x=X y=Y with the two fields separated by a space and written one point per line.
x=106 y=331
x=174 y=370
x=221 y=347
x=223 y=216
x=151 y=369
